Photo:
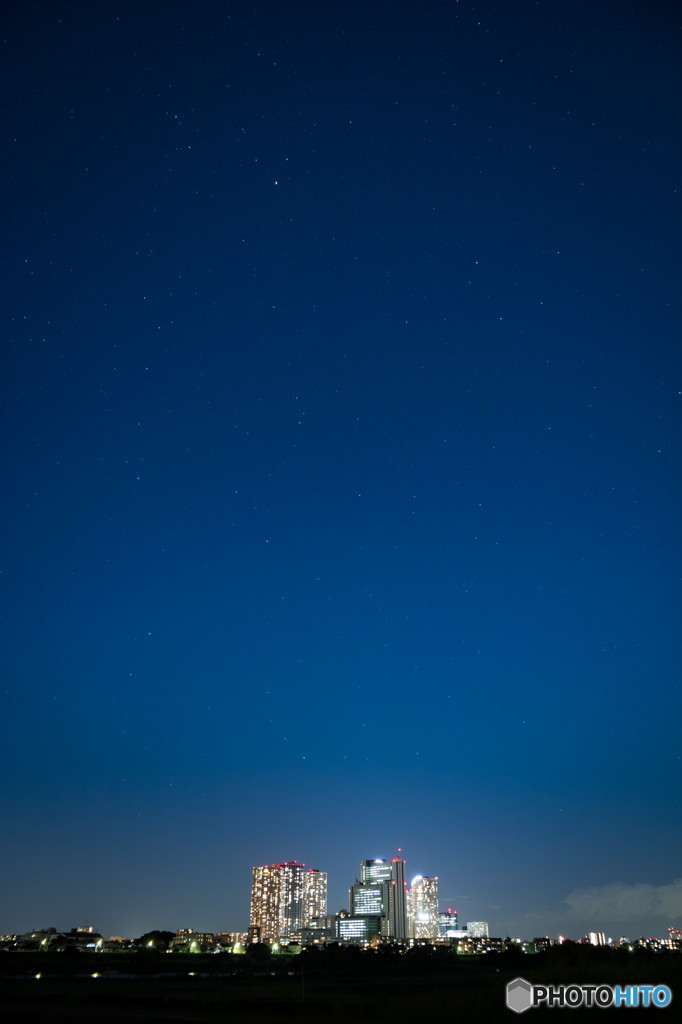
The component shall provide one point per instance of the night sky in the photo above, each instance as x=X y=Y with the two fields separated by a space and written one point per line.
x=342 y=490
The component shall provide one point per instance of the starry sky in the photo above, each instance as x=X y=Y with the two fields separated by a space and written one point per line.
x=341 y=393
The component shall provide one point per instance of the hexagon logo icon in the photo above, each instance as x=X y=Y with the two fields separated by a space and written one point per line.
x=519 y=995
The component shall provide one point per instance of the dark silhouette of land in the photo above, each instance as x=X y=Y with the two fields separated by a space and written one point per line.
x=331 y=984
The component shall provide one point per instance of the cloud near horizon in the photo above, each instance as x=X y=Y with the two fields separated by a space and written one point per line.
x=621 y=902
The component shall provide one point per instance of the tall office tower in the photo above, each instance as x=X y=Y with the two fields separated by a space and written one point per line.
x=392 y=873
x=277 y=900
x=369 y=899
x=265 y=893
x=375 y=871
x=447 y=923
x=314 y=896
x=422 y=908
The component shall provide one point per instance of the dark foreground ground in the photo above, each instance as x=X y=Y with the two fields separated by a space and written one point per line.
x=332 y=985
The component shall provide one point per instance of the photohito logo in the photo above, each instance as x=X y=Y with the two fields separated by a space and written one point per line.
x=521 y=995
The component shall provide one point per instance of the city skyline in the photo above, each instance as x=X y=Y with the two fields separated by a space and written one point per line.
x=342 y=462
x=288 y=902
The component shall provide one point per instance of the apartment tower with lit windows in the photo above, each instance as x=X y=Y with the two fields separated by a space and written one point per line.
x=314 y=897
x=285 y=898
x=422 y=908
x=264 y=923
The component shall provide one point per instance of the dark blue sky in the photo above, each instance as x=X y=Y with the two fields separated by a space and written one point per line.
x=341 y=489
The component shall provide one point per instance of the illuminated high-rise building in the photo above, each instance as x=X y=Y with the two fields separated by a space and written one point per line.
x=265 y=893
x=448 y=928
x=422 y=908
x=314 y=896
x=369 y=899
x=359 y=929
x=291 y=898
x=277 y=902
x=390 y=873
x=375 y=871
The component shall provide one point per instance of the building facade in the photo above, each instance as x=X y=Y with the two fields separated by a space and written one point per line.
x=422 y=908
x=369 y=898
x=281 y=897
x=389 y=877
x=359 y=929
x=291 y=875
x=265 y=899
x=448 y=928
x=314 y=896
